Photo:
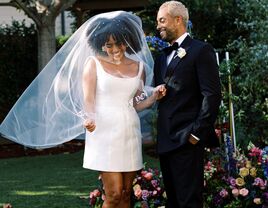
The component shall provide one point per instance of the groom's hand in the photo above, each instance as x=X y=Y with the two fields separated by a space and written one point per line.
x=193 y=140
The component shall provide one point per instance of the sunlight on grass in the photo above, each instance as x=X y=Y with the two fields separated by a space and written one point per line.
x=57 y=187
x=42 y=193
x=50 y=181
x=74 y=193
x=32 y=193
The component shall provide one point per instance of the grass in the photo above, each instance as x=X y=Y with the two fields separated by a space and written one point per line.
x=52 y=181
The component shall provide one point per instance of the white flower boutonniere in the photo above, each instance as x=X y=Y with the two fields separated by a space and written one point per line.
x=181 y=52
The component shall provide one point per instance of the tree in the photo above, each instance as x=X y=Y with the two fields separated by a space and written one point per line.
x=18 y=62
x=43 y=13
x=212 y=21
x=250 y=60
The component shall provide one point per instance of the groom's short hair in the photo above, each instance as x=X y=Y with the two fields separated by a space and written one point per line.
x=176 y=8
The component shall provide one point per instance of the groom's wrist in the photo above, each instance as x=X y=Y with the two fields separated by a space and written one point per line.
x=193 y=139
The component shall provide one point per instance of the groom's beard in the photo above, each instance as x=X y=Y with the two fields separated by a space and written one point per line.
x=168 y=35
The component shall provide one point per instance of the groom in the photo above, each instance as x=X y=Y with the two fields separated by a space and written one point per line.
x=187 y=113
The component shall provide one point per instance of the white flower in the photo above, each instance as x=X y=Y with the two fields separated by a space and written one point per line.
x=180 y=52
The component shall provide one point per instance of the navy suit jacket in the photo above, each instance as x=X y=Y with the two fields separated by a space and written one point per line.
x=193 y=96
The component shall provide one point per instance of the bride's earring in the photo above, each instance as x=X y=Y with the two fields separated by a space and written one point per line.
x=103 y=48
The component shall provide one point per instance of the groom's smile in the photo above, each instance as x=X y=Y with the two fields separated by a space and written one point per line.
x=166 y=25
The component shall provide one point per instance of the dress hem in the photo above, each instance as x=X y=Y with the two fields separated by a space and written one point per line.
x=113 y=170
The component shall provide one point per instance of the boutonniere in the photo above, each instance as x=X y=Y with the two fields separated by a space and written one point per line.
x=181 y=52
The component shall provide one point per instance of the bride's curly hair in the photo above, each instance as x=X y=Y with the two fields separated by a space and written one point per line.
x=124 y=28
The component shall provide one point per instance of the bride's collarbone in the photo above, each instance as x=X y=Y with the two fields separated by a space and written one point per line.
x=124 y=69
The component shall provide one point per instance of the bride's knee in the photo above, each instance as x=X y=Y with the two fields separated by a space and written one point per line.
x=114 y=197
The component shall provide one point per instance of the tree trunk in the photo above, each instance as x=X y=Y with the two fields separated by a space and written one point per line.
x=43 y=13
x=46 y=44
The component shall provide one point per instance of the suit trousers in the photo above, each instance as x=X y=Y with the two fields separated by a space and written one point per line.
x=183 y=176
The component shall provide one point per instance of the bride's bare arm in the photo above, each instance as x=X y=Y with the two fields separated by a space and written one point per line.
x=89 y=90
x=158 y=93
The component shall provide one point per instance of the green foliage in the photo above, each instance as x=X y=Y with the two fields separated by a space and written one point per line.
x=213 y=21
x=18 y=63
x=60 y=40
x=241 y=26
x=250 y=67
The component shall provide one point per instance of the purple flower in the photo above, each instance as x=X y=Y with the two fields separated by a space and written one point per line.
x=154 y=183
x=265 y=198
x=232 y=181
x=259 y=182
x=217 y=200
x=145 y=194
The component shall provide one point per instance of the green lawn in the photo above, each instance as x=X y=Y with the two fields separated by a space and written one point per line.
x=53 y=181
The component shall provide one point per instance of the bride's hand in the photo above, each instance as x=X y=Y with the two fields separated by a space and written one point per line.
x=90 y=125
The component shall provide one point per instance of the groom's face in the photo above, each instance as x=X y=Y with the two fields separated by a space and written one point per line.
x=167 y=25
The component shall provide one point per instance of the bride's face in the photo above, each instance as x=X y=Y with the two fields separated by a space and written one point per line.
x=115 y=49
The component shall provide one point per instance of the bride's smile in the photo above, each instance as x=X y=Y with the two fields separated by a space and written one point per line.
x=115 y=50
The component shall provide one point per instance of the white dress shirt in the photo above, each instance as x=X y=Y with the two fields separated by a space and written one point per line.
x=179 y=41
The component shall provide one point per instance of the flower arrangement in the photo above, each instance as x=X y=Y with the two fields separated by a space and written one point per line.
x=230 y=181
x=244 y=186
x=148 y=189
x=97 y=196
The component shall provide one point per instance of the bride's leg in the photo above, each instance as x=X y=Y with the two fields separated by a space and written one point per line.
x=113 y=186
x=128 y=178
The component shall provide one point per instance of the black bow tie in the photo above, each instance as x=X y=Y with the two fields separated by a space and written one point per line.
x=169 y=49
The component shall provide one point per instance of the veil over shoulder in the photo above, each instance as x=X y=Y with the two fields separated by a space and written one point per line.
x=51 y=110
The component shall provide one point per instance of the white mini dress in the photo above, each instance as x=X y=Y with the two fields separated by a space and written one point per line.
x=115 y=145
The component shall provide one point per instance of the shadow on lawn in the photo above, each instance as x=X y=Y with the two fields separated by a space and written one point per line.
x=10 y=150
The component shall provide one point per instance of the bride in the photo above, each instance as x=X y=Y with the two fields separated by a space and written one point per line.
x=95 y=82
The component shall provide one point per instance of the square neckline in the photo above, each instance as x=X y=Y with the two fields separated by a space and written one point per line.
x=136 y=76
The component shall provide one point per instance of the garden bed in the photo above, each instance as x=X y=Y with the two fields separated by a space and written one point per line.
x=9 y=150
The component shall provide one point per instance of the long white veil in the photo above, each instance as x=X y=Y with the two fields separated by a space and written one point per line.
x=50 y=110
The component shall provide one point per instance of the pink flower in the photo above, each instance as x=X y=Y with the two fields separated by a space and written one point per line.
x=96 y=193
x=148 y=176
x=223 y=193
x=143 y=172
x=218 y=133
x=235 y=192
x=7 y=206
x=138 y=193
x=154 y=193
x=208 y=165
x=103 y=197
x=243 y=192
x=158 y=189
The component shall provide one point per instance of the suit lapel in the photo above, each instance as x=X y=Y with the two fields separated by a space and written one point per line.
x=175 y=61
x=163 y=65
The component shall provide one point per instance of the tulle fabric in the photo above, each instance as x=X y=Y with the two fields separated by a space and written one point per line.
x=51 y=110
